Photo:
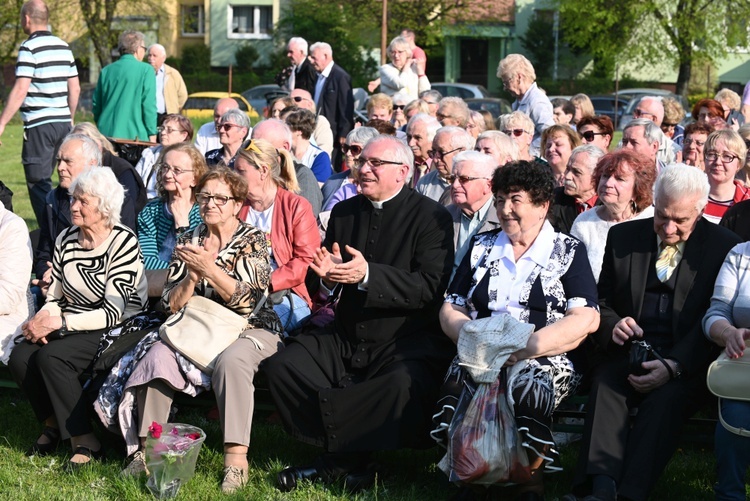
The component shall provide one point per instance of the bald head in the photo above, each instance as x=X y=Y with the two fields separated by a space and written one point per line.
x=276 y=132
x=650 y=107
x=306 y=101
x=34 y=16
x=222 y=106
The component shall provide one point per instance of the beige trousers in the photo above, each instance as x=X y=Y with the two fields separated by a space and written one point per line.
x=232 y=383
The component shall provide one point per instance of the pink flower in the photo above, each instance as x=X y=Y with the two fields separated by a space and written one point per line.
x=155 y=429
x=193 y=436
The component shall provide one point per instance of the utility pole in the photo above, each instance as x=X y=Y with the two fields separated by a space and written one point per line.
x=384 y=33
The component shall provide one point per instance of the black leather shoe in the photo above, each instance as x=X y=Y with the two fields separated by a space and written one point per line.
x=71 y=467
x=53 y=435
x=288 y=478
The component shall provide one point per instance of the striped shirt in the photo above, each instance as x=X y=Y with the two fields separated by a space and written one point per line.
x=157 y=235
x=49 y=63
x=715 y=209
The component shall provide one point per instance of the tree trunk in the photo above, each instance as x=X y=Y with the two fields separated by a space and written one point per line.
x=683 y=74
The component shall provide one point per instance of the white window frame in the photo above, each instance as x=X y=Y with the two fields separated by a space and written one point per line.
x=201 y=20
x=255 y=35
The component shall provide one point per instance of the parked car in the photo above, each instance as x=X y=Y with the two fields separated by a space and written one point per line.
x=494 y=105
x=605 y=105
x=200 y=105
x=464 y=91
x=635 y=96
x=261 y=96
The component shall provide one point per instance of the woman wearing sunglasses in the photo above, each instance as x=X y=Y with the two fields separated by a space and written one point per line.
x=519 y=127
x=403 y=74
x=233 y=127
x=596 y=130
x=345 y=184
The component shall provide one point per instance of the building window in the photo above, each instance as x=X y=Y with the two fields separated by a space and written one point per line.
x=250 y=21
x=193 y=19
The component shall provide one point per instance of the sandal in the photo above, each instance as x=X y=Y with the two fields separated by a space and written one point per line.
x=39 y=449
x=71 y=467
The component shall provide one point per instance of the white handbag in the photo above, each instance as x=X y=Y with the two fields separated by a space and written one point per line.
x=730 y=379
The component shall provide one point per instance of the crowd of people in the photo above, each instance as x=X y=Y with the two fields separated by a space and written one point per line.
x=360 y=256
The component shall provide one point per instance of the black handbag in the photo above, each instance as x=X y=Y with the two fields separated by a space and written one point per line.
x=641 y=351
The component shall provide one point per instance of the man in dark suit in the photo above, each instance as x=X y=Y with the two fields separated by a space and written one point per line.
x=656 y=284
x=579 y=192
x=302 y=74
x=370 y=380
x=333 y=96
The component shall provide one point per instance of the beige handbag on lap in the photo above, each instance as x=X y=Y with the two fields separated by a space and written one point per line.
x=730 y=378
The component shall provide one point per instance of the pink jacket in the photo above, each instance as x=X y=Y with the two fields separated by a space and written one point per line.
x=294 y=240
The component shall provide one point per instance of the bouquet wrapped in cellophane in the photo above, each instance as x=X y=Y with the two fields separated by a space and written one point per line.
x=171 y=453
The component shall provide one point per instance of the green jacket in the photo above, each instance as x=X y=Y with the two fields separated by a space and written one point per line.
x=124 y=101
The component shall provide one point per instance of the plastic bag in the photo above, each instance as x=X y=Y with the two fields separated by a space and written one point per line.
x=484 y=446
x=171 y=453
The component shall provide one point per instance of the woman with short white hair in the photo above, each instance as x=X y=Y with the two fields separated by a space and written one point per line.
x=98 y=282
x=403 y=74
x=234 y=128
x=519 y=127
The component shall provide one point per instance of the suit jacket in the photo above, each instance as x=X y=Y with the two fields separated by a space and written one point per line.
x=336 y=102
x=490 y=221
x=175 y=91
x=124 y=101
x=628 y=254
x=563 y=211
x=306 y=77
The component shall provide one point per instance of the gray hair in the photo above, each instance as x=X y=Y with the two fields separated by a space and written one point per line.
x=237 y=117
x=92 y=155
x=102 y=184
x=593 y=152
x=651 y=131
x=323 y=46
x=478 y=119
x=401 y=98
x=460 y=109
x=516 y=118
x=401 y=43
x=516 y=64
x=431 y=123
x=362 y=135
x=431 y=93
x=400 y=151
x=678 y=181
x=299 y=42
x=130 y=41
x=459 y=137
x=484 y=163
x=503 y=142
x=158 y=47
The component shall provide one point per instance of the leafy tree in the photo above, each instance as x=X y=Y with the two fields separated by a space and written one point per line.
x=539 y=43
x=98 y=15
x=651 y=31
x=11 y=34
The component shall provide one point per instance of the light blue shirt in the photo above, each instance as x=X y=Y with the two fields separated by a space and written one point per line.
x=161 y=107
x=538 y=107
x=469 y=227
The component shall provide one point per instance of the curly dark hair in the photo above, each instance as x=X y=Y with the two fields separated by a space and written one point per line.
x=533 y=177
x=643 y=170
x=698 y=128
x=300 y=120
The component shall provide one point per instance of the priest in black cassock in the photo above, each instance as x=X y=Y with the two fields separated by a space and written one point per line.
x=370 y=380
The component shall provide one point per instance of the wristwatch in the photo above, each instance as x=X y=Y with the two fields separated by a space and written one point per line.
x=63 y=328
x=677 y=369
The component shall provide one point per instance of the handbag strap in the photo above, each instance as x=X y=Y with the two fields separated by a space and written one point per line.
x=737 y=431
x=656 y=355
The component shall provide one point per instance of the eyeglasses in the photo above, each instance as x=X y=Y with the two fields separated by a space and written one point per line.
x=219 y=200
x=640 y=113
x=690 y=141
x=299 y=99
x=346 y=148
x=747 y=144
x=726 y=158
x=462 y=180
x=707 y=116
x=144 y=48
x=440 y=155
x=168 y=130
x=429 y=102
x=164 y=168
x=441 y=116
x=514 y=132
x=665 y=125
x=589 y=135
x=226 y=127
x=375 y=162
x=399 y=106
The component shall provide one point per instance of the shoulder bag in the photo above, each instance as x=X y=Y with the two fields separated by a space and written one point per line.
x=730 y=378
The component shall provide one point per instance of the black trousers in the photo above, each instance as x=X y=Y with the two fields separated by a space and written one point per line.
x=48 y=375
x=635 y=457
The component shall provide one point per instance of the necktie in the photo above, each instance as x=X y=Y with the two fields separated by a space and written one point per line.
x=666 y=263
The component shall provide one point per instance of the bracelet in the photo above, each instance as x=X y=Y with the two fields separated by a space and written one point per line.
x=721 y=335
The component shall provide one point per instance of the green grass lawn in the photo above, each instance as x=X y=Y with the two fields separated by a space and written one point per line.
x=411 y=475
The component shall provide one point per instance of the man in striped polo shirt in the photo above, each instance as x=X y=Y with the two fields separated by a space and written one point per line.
x=46 y=91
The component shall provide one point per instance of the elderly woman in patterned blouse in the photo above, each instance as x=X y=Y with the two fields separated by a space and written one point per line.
x=227 y=261
x=539 y=276
x=98 y=282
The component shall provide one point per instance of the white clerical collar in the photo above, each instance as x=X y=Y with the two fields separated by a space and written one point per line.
x=379 y=203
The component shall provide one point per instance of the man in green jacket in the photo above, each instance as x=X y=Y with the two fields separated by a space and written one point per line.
x=125 y=97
